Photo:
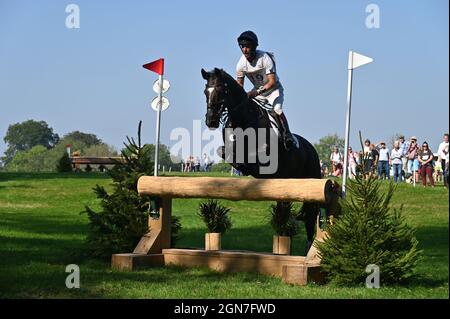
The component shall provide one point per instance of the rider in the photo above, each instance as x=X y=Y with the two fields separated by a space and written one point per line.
x=259 y=67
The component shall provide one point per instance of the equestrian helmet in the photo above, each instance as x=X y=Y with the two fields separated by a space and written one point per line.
x=248 y=36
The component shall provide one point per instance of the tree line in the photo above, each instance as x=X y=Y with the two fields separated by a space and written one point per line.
x=32 y=146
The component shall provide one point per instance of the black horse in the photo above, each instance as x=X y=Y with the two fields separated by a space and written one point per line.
x=227 y=103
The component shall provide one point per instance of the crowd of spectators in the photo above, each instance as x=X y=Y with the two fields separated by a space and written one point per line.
x=407 y=161
x=193 y=164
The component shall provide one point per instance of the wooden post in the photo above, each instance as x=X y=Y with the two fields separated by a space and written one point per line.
x=281 y=245
x=212 y=241
x=158 y=238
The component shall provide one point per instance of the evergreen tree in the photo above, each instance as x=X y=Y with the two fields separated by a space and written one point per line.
x=64 y=164
x=123 y=219
x=369 y=232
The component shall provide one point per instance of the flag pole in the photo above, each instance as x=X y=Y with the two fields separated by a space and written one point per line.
x=347 y=130
x=158 y=121
x=355 y=60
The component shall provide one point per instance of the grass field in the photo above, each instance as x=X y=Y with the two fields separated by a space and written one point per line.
x=42 y=231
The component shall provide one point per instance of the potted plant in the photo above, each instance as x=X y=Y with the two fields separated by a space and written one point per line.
x=285 y=224
x=217 y=221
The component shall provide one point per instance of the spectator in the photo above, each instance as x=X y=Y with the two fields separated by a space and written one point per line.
x=352 y=163
x=446 y=173
x=235 y=171
x=338 y=170
x=413 y=162
x=438 y=173
x=206 y=163
x=366 y=147
x=323 y=169
x=404 y=145
x=441 y=154
x=425 y=158
x=383 y=162
x=197 y=164
x=375 y=157
x=367 y=157
x=335 y=158
x=396 y=161
x=188 y=167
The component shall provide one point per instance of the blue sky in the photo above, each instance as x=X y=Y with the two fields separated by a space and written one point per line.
x=91 y=79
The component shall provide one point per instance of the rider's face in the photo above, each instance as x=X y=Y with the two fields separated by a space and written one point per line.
x=248 y=50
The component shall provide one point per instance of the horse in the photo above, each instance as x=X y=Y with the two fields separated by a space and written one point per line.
x=228 y=104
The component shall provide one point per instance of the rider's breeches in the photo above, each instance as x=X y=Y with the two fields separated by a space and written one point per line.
x=275 y=98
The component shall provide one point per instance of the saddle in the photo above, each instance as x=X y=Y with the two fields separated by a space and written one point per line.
x=265 y=108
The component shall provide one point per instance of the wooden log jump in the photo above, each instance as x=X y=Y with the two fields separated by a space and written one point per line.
x=154 y=248
x=299 y=190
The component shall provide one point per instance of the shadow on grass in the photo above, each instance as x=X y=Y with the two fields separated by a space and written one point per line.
x=433 y=240
x=44 y=225
x=258 y=239
x=9 y=176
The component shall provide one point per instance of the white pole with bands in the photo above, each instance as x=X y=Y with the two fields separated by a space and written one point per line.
x=158 y=121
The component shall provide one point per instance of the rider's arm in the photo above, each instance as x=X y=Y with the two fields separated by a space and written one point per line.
x=269 y=65
x=240 y=74
x=271 y=82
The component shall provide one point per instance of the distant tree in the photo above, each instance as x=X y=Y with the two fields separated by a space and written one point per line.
x=394 y=138
x=28 y=161
x=326 y=145
x=24 y=136
x=164 y=154
x=54 y=155
x=100 y=150
x=85 y=138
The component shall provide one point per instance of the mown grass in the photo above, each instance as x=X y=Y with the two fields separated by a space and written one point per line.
x=42 y=231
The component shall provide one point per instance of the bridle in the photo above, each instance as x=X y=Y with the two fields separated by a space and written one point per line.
x=222 y=109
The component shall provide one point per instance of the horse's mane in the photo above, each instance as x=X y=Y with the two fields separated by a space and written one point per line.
x=232 y=82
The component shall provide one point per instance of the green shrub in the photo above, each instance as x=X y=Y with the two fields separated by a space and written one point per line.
x=222 y=167
x=215 y=216
x=368 y=232
x=283 y=220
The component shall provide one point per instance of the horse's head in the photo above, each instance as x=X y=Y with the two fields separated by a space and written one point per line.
x=216 y=92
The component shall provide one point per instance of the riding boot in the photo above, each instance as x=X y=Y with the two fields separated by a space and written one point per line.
x=288 y=139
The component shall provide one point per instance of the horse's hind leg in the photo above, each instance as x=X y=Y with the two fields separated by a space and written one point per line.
x=310 y=217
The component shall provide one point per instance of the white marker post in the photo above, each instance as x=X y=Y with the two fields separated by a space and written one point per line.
x=355 y=60
x=159 y=104
x=158 y=121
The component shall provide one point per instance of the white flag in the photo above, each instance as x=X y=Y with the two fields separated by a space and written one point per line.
x=356 y=60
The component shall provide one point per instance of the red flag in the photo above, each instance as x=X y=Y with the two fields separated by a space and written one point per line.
x=155 y=66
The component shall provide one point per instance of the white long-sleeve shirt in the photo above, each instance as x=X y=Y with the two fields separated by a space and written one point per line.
x=440 y=152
